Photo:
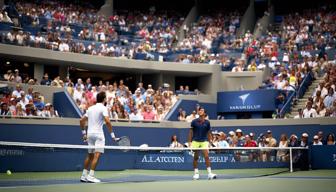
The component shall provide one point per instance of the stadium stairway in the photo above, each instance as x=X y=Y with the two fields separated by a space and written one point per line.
x=301 y=102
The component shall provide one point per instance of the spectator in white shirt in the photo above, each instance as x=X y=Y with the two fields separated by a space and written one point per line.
x=78 y=93
x=17 y=91
x=222 y=140
x=64 y=47
x=309 y=112
x=174 y=142
x=317 y=141
x=191 y=117
x=134 y=116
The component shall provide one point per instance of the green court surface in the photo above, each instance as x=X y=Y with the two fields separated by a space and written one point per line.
x=275 y=180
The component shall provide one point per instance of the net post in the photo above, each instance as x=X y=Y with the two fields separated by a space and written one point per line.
x=291 y=160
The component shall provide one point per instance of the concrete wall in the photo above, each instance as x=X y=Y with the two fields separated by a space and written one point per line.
x=168 y=70
x=264 y=22
x=210 y=77
x=107 y=8
x=38 y=71
x=248 y=20
x=246 y=80
x=191 y=17
x=2 y=3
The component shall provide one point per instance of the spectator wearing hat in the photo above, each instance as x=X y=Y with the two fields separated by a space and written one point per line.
x=48 y=111
x=272 y=140
x=231 y=139
x=12 y=104
x=46 y=80
x=17 y=77
x=264 y=153
x=249 y=142
x=215 y=139
x=293 y=141
x=316 y=140
x=38 y=103
x=240 y=138
x=304 y=140
x=303 y=154
x=252 y=138
x=222 y=140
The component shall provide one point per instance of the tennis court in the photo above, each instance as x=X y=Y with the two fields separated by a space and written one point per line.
x=271 y=179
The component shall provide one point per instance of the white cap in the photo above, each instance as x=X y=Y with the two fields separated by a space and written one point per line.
x=143 y=146
x=231 y=133
x=304 y=134
x=238 y=131
x=316 y=137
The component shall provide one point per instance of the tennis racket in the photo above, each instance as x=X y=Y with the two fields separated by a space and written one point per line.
x=124 y=141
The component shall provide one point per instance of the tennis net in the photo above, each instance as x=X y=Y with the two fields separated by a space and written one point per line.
x=22 y=156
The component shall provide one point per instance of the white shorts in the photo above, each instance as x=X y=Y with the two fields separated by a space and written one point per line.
x=97 y=140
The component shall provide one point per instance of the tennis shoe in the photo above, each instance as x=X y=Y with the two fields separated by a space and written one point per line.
x=92 y=179
x=196 y=176
x=83 y=179
x=212 y=176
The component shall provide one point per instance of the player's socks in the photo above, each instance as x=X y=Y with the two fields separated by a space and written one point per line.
x=91 y=173
x=84 y=175
x=196 y=171
x=209 y=170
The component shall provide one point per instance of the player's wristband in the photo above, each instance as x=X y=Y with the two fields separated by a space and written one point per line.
x=84 y=132
x=113 y=135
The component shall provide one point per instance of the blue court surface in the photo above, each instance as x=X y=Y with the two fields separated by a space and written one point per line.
x=155 y=180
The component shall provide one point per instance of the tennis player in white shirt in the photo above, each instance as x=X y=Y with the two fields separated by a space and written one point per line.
x=96 y=116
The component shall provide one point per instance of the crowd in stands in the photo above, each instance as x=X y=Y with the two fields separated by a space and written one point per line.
x=68 y=27
x=211 y=39
x=205 y=33
x=323 y=101
x=18 y=103
x=238 y=139
x=297 y=49
x=123 y=104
